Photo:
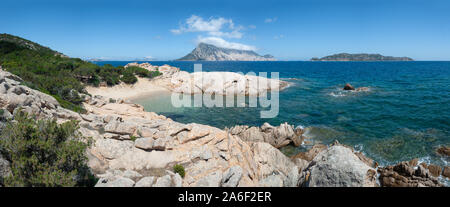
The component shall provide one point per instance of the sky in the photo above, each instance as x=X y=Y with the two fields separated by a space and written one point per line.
x=288 y=30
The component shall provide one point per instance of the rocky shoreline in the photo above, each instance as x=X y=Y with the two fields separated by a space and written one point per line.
x=175 y=80
x=219 y=83
x=132 y=147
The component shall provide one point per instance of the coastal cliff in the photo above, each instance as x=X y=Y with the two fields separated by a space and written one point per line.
x=208 y=52
x=360 y=57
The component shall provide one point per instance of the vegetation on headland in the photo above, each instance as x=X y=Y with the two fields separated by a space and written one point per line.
x=58 y=75
x=44 y=153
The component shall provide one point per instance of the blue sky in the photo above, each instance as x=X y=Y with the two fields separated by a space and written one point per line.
x=289 y=30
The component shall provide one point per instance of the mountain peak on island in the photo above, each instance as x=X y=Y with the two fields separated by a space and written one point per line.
x=209 y=52
x=360 y=57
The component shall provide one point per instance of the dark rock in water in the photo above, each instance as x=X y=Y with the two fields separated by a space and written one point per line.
x=174 y=116
x=446 y=172
x=443 y=150
x=403 y=168
x=421 y=172
x=362 y=89
x=311 y=153
x=434 y=170
x=404 y=175
x=348 y=87
x=413 y=162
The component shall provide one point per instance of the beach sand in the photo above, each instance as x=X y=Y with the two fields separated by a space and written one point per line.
x=143 y=87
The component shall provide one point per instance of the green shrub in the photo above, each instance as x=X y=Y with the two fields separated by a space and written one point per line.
x=153 y=74
x=141 y=72
x=179 y=169
x=44 y=153
x=133 y=138
x=128 y=78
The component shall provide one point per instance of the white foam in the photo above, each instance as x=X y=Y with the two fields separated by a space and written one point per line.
x=445 y=160
x=339 y=94
x=426 y=160
x=308 y=134
x=359 y=147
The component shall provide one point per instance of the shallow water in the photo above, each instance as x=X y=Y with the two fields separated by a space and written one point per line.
x=404 y=115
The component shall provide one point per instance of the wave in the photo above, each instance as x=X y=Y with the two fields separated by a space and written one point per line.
x=339 y=92
x=359 y=148
x=293 y=79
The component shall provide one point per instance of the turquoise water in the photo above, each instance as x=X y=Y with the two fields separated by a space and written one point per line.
x=405 y=115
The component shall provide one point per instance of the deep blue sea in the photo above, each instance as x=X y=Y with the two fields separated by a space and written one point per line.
x=405 y=115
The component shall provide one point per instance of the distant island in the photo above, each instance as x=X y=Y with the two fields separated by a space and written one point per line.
x=360 y=57
x=210 y=52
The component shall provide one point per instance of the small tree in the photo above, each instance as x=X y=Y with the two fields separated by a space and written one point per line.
x=44 y=153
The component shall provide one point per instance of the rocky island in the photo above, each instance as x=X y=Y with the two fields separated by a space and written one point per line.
x=208 y=52
x=360 y=57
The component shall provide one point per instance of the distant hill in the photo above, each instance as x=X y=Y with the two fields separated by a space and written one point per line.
x=209 y=52
x=360 y=57
x=28 y=44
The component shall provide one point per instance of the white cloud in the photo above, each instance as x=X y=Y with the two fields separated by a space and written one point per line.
x=278 y=37
x=270 y=20
x=212 y=26
x=219 y=42
x=176 y=31
x=215 y=30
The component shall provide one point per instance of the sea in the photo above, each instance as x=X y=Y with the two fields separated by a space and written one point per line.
x=405 y=114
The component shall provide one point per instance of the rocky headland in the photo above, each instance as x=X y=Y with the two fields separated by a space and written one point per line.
x=175 y=80
x=132 y=147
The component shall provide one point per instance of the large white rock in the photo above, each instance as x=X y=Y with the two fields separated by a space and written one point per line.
x=111 y=148
x=119 y=182
x=232 y=176
x=223 y=83
x=164 y=181
x=211 y=180
x=271 y=160
x=338 y=166
x=145 y=182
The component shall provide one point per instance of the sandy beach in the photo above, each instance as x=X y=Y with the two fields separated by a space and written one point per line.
x=143 y=87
